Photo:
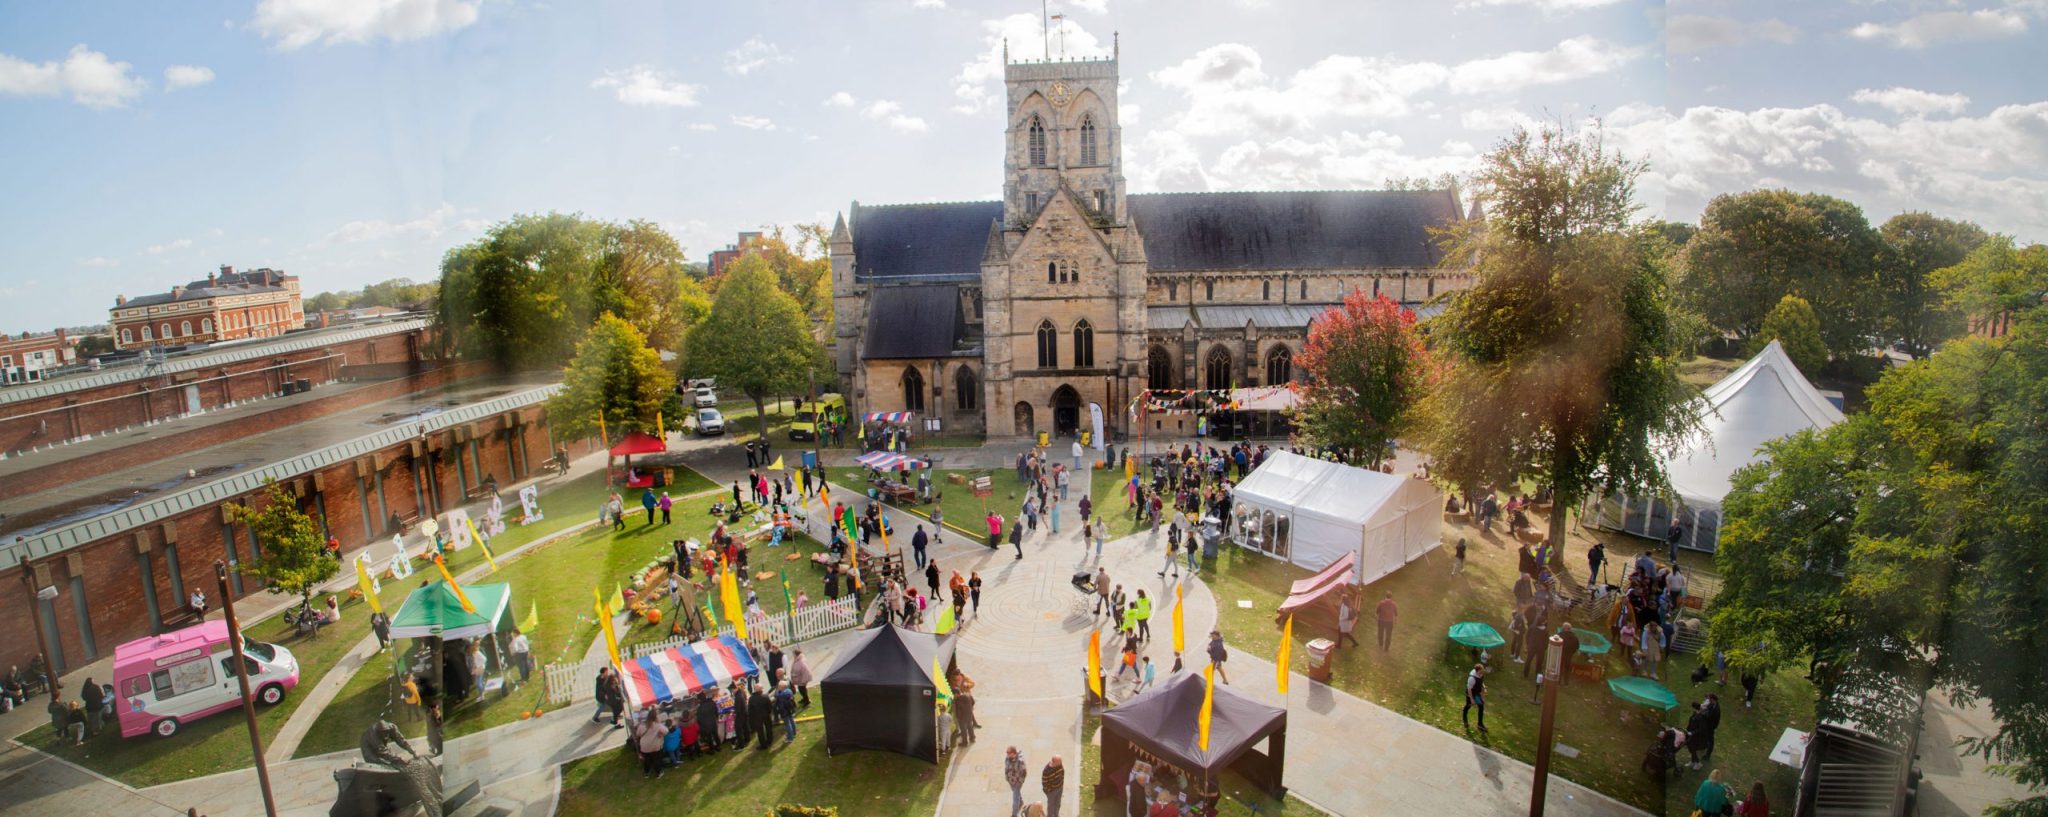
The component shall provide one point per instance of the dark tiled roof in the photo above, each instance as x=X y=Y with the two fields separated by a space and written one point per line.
x=1341 y=229
x=246 y=282
x=922 y=239
x=913 y=321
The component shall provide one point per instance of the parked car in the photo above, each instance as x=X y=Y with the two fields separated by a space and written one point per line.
x=710 y=422
x=706 y=398
x=165 y=681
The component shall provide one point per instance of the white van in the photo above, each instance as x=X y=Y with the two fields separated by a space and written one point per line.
x=165 y=681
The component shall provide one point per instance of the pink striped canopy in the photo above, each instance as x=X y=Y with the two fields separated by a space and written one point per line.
x=890 y=416
x=687 y=669
x=889 y=461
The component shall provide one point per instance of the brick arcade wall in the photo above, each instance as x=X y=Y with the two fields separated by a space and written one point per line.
x=56 y=418
x=117 y=590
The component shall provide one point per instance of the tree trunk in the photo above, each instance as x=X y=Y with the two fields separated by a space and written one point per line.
x=760 y=414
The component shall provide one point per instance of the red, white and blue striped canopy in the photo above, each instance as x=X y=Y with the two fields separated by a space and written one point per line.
x=890 y=416
x=687 y=669
x=889 y=461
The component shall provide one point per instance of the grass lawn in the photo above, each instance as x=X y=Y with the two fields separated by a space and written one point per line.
x=220 y=743
x=1240 y=798
x=965 y=511
x=751 y=782
x=556 y=578
x=1703 y=371
x=1422 y=676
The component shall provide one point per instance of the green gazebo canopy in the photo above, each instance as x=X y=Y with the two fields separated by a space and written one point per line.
x=1638 y=690
x=434 y=612
x=1476 y=634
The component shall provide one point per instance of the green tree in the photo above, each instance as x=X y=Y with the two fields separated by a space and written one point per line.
x=641 y=278
x=1561 y=359
x=1793 y=325
x=293 y=558
x=1757 y=247
x=1366 y=370
x=1997 y=278
x=328 y=301
x=617 y=376
x=1917 y=245
x=95 y=344
x=755 y=339
x=1906 y=541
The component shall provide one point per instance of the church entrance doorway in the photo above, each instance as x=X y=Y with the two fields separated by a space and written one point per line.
x=1066 y=411
x=1027 y=421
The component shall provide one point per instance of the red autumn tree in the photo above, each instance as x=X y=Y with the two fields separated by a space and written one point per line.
x=1366 y=369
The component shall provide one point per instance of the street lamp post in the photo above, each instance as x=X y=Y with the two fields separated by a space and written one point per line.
x=1553 y=660
x=227 y=606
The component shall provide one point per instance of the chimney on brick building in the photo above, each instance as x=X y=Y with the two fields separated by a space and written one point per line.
x=120 y=300
x=177 y=290
x=210 y=279
x=226 y=270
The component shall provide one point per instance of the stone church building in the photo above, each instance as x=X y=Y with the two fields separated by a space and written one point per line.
x=1011 y=317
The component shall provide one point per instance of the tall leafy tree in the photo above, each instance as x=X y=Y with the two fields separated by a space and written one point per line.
x=293 y=558
x=615 y=375
x=756 y=339
x=1561 y=359
x=1916 y=246
x=1793 y=325
x=1754 y=248
x=641 y=278
x=1907 y=540
x=1366 y=370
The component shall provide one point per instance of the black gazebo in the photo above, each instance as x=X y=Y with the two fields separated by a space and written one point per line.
x=882 y=694
x=1159 y=727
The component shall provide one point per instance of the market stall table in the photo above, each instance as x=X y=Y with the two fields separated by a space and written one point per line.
x=1791 y=748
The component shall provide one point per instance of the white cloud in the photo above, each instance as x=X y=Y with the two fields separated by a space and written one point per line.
x=1494 y=119
x=647 y=85
x=99 y=262
x=1347 y=160
x=87 y=76
x=436 y=223
x=1692 y=33
x=703 y=126
x=1937 y=28
x=168 y=246
x=1026 y=36
x=1090 y=6
x=1912 y=101
x=186 y=76
x=927 y=4
x=751 y=55
x=292 y=24
x=840 y=99
x=883 y=110
x=1545 y=5
x=1987 y=169
x=1576 y=58
x=754 y=122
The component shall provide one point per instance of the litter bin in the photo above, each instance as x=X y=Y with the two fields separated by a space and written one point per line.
x=1044 y=439
x=1319 y=652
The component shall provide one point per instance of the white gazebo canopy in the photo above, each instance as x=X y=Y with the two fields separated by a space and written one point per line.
x=1322 y=510
x=1764 y=400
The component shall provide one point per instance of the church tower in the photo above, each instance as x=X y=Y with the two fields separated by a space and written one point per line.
x=1063 y=273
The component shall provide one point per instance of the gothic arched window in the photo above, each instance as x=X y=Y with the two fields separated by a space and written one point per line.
x=913 y=390
x=966 y=393
x=1279 y=366
x=1052 y=272
x=1048 y=346
x=1218 y=369
x=1084 y=345
x=1037 y=142
x=1209 y=290
x=1088 y=139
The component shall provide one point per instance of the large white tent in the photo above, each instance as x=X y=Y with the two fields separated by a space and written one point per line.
x=1764 y=400
x=1311 y=512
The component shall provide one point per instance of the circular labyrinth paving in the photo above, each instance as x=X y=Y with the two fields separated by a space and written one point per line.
x=1028 y=613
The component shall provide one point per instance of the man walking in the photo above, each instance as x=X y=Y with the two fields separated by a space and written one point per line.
x=1014 y=773
x=1596 y=557
x=1017 y=538
x=1388 y=613
x=1347 y=619
x=1054 y=777
x=1217 y=654
x=918 y=541
x=1102 y=590
x=1458 y=557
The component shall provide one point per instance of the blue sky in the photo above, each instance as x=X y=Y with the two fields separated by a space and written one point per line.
x=349 y=142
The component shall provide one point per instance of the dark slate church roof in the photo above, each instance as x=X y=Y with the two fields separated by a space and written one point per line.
x=1321 y=229
x=906 y=321
x=922 y=239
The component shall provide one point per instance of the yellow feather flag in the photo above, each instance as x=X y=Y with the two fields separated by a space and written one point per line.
x=825 y=496
x=1286 y=647
x=1208 y=704
x=1095 y=664
x=1130 y=467
x=660 y=427
x=946 y=622
x=532 y=620
x=1180 y=630
x=778 y=464
x=369 y=587
x=604 y=621
x=479 y=540
x=883 y=529
x=729 y=590
x=459 y=595
x=602 y=433
x=853 y=562
x=943 y=689
x=618 y=599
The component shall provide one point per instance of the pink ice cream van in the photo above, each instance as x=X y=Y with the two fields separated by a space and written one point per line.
x=165 y=681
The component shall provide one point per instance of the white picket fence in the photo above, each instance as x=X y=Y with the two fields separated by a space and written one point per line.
x=577 y=681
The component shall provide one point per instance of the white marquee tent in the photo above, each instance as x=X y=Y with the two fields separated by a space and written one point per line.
x=1311 y=512
x=1764 y=400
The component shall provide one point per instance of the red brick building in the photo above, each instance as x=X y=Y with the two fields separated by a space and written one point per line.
x=731 y=253
x=24 y=359
x=227 y=305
